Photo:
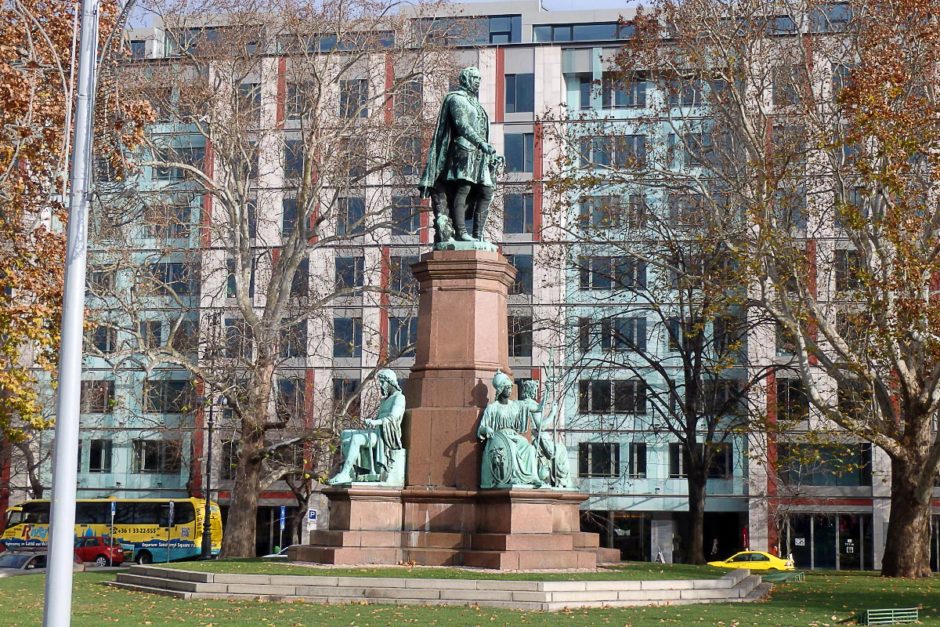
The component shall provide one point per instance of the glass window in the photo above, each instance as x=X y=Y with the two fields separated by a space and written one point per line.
x=520 y=336
x=349 y=272
x=300 y=282
x=517 y=213
x=541 y=33
x=138 y=49
x=238 y=339
x=97 y=397
x=520 y=152
x=599 y=31
x=523 y=281
x=406 y=215
x=353 y=98
x=294 y=340
x=637 y=469
x=288 y=216
x=621 y=92
x=104 y=339
x=154 y=456
x=400 y=277
x=167 y=396
x=173 y=278
x=290 y=399
x=598 y=459
x=344 y=389
x=248 y=104
x=402 y=335
x=293 y=158
x=99 y=458
x=351 y=218
x=409 y=98
x=151 y=334
x=520 y=93
x=347 y=337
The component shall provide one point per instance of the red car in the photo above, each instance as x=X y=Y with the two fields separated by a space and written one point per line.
x=99 y=549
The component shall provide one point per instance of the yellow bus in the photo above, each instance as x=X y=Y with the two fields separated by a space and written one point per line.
x=150 y=530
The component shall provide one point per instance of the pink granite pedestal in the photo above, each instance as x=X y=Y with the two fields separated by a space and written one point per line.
x=440 y=516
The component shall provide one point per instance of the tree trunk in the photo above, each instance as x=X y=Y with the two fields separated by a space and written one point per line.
x=238 y=540
x=907 y=548
x=695 y=553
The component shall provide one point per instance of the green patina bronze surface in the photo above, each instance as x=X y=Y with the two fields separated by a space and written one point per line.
x=376 y=455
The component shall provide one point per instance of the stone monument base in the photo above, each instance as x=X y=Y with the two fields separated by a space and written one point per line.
x=499 y=529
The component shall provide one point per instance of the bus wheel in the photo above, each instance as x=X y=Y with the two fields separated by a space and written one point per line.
x=101 y=561
x=144 y=557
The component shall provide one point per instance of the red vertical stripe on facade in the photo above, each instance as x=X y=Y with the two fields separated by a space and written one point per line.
x=537 y=149
x=425 y=221
x=281 y=91
x=384 y=304
x=500 y=104
x=199 y=441
x=389 y=83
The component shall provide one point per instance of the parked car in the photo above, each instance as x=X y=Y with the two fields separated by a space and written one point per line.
x=754 y=560
x=101 y=550
x=14 y=563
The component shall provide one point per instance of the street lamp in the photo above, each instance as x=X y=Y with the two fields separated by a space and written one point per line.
x=206 y=520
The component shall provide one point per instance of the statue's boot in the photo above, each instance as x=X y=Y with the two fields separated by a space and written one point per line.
x=478 y=223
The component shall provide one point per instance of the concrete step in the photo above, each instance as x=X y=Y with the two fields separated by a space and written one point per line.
x=759 y=592
x=747 y=584
x=166 y=582
x=176 y=594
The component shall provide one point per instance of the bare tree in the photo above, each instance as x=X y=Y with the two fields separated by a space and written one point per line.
x=284 y=127
x=829 y=112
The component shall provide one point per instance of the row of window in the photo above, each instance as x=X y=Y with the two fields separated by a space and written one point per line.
x=147 y=456
x=602 y=459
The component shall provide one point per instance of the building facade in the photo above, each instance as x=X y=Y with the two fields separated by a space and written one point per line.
x=143 y=432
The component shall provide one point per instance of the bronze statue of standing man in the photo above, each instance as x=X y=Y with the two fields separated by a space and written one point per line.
x=461 y=170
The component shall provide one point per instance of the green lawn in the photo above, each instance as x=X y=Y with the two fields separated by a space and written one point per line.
x=823 y=599
x=633 y=571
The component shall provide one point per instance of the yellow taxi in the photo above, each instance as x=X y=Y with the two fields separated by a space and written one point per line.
x=754 y=560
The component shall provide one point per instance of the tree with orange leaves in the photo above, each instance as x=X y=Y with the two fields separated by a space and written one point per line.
x=820 y=121
x=35 y=68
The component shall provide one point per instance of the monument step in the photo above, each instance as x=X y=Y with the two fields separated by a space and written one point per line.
x=529 y=560
x=521 y=541
x=607 y=556
x=339 y=538
x=432 y=556
x=346 y=555
x=586 y=540
x=433 y=540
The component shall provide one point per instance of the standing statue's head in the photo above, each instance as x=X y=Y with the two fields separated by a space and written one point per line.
x=529 y=389
x=387 y=378
x=502 y=383
x=470 y=80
